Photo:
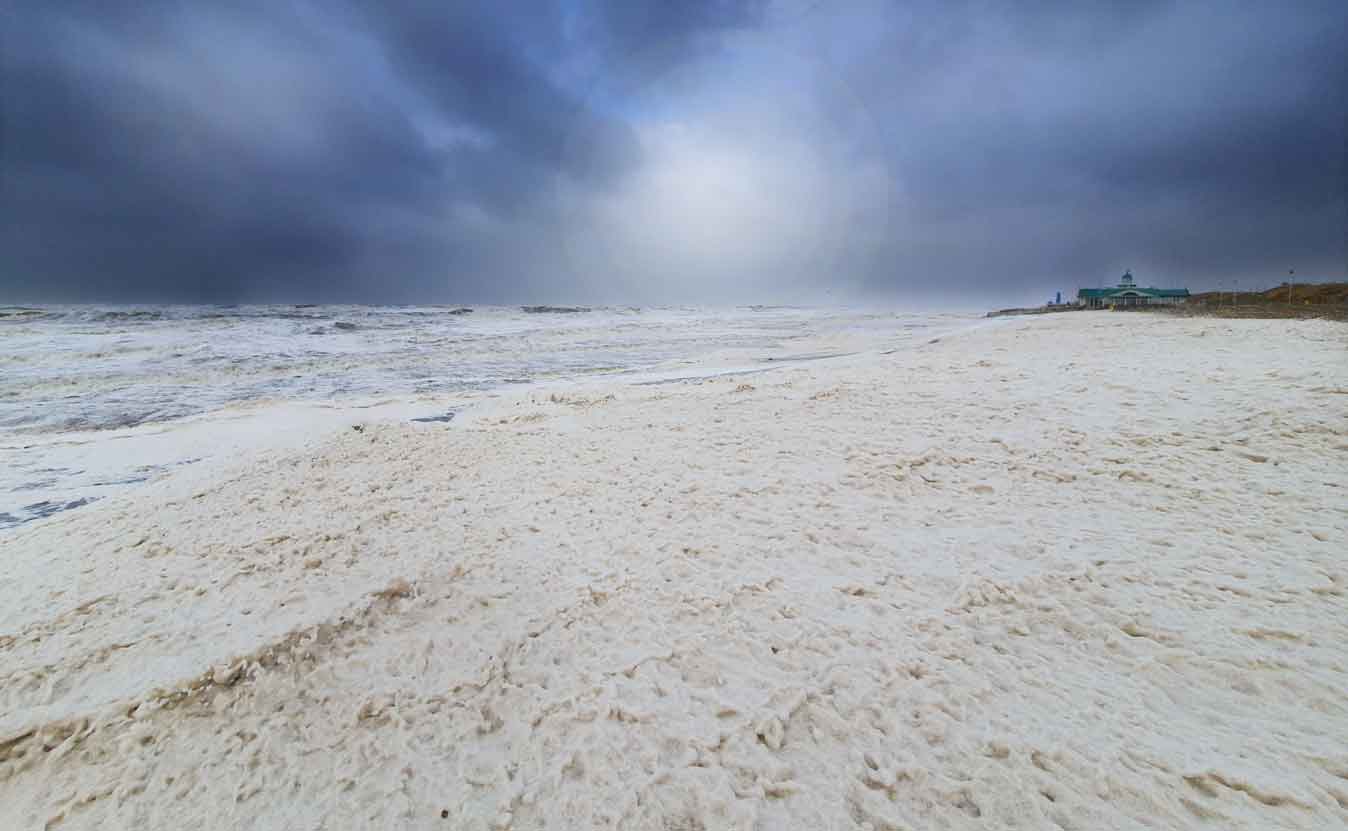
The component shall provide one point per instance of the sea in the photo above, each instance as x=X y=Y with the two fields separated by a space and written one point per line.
x=98 y=400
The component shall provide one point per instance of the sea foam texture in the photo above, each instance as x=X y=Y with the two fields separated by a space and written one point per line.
x=1078 y=572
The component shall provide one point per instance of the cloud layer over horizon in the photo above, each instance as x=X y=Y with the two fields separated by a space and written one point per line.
x=647 y=152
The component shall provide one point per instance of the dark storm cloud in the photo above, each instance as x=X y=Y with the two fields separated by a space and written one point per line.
x=440 y=151
x=1201 y=142
x=273 y=150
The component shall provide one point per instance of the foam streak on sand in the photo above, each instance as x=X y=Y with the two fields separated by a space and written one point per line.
x=1081 y=572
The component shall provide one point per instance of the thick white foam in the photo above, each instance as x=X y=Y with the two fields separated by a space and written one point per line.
x=95 y=400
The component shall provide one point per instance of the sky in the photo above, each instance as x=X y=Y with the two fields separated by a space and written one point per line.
x=933 y=154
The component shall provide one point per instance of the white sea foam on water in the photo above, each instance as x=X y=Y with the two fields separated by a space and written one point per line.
x=94 y=400
x=1070 y=572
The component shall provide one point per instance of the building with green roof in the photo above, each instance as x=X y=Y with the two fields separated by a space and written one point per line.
x=1128 y=293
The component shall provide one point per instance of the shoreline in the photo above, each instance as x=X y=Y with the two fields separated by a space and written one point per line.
x=1250 y=311
x=44 y=473
x=1062 y=569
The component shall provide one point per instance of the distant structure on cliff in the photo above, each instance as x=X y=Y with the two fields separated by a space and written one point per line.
x=1128 y=293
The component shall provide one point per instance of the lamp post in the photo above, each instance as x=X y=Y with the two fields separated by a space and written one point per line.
x=1291 y=273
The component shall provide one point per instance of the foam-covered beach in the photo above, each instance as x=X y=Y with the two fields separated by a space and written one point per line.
x=1073 y=572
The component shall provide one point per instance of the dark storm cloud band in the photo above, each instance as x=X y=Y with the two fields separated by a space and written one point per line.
x=156 y=151
x=411 y=151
